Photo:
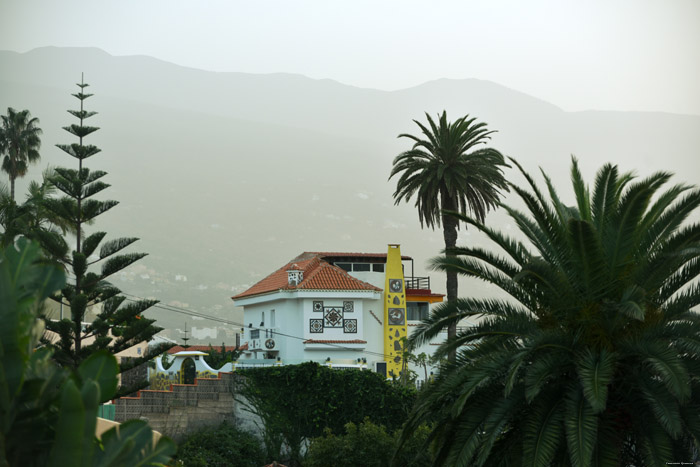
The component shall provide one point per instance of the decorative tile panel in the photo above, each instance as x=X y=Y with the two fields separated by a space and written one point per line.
x=397 y=316
x=350 y=326
x=395 y=285
x=332 y=317
x=316 y=326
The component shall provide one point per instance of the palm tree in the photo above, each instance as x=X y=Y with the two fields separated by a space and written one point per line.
x=32 y=218
x=594 y=356
x=448 y=170
x=20 y=143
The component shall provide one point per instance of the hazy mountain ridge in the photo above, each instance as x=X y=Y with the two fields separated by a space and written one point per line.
x=225 y=176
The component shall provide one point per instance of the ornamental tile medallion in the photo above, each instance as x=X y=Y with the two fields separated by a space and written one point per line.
x=350 y=326
x=395 y=285
x=316 y=326
x=332 y=317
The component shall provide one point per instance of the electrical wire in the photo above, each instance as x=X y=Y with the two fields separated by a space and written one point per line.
x=196 y=314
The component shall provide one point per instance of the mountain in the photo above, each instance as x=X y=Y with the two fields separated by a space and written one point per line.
x=226 y=176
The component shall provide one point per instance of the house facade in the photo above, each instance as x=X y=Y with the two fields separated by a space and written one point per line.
x=349 y=310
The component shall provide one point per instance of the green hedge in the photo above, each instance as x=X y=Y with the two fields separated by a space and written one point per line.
x=221 y=447
x=298 y=402
x=368 y=445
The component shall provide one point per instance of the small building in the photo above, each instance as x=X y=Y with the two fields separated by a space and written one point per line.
x=348 y=310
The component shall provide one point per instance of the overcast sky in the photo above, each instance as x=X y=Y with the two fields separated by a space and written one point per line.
x=579 y=55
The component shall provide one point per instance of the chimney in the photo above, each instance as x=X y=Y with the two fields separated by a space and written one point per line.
x=295 y=275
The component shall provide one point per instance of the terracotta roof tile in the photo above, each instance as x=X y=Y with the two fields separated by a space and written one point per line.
x=204 y=348
x=318 y=275
x=334 y=341
x=338 y=254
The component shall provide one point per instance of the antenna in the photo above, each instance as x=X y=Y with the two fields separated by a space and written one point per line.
x=185 y=339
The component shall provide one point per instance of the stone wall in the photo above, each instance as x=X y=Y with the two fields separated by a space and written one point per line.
x=134 y=376
x=187 y=407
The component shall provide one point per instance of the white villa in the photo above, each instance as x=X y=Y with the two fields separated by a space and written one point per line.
x=347 y=310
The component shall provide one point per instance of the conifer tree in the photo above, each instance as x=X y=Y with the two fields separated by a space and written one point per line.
x=119 y=324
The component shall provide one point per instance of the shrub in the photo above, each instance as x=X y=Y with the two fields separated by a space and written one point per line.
x=222 y=446
x=315 y=398
x=368 y=445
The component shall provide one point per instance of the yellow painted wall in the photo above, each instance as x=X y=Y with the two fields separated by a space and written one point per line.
x=394 y=312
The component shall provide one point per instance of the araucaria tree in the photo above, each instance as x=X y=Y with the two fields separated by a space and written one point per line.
x=594 y=357
x=19 y=143
x=447 y=169
x=117 y=325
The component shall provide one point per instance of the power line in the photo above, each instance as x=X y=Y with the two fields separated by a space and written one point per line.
x=184 y=311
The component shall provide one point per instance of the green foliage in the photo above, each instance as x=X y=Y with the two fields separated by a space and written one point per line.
x=368 y=445
x=118 y=325
x=223 y=446
x=594 y=359
x=315 y=397
x=219 y=356
x=31 y=218
x=48 y=414
x=19 y=144
x=447 y=169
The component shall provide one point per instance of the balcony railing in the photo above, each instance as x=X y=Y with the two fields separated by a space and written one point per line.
x=265 y=333
x=419 y=283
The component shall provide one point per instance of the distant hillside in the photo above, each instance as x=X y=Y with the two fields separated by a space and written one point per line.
x=225 y=176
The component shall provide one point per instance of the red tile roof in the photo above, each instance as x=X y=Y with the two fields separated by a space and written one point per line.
x=204 y=348
x=338 y=254
x=318 y=275
x=318 y=341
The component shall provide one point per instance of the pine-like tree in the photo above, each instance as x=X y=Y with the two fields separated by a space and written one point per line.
x=117 y=325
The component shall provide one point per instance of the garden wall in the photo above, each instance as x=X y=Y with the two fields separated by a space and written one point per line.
x=186 y=408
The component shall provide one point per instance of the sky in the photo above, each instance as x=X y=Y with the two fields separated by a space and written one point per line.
x=579 y=55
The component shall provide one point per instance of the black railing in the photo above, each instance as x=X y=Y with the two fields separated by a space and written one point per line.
x=420 y=283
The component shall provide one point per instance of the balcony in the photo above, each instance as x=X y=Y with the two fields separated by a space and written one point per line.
x=418 y=283
x=418 y=289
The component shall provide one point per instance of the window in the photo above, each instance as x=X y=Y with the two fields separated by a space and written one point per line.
x=345 y=266
x=360 y=267
x=417 y=311
x=272 y=318
x=379 y=267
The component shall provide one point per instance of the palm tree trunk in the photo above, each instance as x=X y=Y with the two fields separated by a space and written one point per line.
x=12 y=188
x=449 y=231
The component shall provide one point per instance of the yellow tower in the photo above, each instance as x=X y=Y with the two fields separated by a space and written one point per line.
x=394 y=312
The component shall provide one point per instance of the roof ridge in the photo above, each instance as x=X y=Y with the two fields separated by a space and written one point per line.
x=341 y=271
x=318 y=275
